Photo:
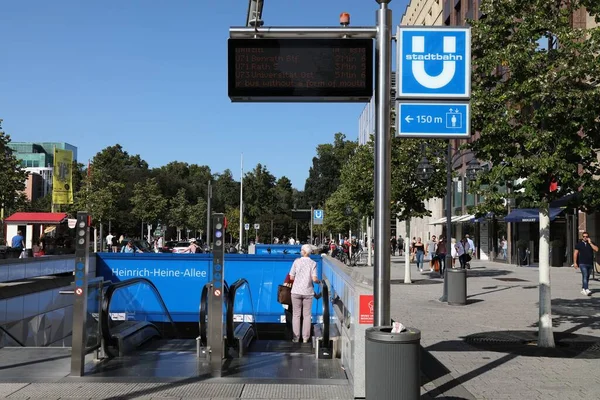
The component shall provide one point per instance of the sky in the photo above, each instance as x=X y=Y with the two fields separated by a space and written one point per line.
x=151 y=75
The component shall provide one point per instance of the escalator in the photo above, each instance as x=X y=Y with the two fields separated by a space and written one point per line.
x=127 y=325
x=141 y=340
x=241 y=334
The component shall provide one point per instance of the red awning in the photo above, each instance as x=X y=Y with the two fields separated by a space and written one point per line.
x=36 y=218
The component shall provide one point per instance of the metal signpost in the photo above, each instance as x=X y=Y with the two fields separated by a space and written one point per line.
x=215 y=297
x=79 y=337
x=433 y=94
x=296 y=74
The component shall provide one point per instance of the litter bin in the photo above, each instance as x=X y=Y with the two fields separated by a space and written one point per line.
x=457 y=287
x=393 y=364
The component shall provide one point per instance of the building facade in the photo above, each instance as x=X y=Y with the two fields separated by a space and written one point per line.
x=38 y=160
x=423 y=12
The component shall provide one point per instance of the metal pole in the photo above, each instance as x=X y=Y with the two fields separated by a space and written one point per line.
x=209 y=196
x=509 y=246
x=79 y=333
x=241 y=201
x=448 y=262
x=383 y=159
x=312 y=212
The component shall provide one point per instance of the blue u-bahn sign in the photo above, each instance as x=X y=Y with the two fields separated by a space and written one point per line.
x=434 y=63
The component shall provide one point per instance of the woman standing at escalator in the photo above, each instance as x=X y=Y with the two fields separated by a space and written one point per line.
x=303 y=274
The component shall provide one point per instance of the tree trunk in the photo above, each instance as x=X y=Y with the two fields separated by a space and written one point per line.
x=101 y=238
x=545 y=334
x=407 y=278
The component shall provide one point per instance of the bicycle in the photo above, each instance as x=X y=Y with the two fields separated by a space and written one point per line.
x=357 y=258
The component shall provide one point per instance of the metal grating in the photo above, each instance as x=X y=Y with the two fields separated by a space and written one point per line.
x=190 y=390
x=254 y=391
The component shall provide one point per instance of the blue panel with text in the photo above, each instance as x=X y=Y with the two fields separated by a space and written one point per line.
x=434 y=63
x=444 y=120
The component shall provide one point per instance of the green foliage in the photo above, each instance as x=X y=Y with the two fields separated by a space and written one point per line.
x=149 y=205
x=258 y=194
x=178 y=212
x=12 y=176
x=197 y=215
x=535 y=106
x=407 y=192
x=42 y=204
x=233 y=221
x=114 y=165
x=324 y=174
x=226 y=192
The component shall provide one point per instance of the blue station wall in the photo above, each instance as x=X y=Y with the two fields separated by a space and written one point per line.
x=180 y=278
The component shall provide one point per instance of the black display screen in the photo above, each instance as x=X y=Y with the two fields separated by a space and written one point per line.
x=300 y=69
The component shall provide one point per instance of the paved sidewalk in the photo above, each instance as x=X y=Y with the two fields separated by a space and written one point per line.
x=504 y=298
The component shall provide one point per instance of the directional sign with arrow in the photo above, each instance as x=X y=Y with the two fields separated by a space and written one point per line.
x=424 y=119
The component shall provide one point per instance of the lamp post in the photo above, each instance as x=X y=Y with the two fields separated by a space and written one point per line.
x=424 y=173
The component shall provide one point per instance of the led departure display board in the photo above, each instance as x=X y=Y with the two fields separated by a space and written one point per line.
x=317 y=70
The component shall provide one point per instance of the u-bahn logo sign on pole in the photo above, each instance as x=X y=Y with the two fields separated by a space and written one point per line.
x=434 y=63
x=434 y=82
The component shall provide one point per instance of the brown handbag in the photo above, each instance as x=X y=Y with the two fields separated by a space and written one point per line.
x=284 y=295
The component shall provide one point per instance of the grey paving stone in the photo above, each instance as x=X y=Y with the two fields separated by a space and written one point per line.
x=258 y=391
x=188 y=390
x=10 y=388
x=66 y=390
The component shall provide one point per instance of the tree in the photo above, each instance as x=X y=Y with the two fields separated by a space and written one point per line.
x=149 y=204
x=197 y=215
x=178 y=211
x=257 y=193
x=114 y=164
x=341 y=216
x=233 y=221
x=12 y=176
x=537 y=112
x=324 y=174
x=407 y=192
x=226 y=192
x=100 y=203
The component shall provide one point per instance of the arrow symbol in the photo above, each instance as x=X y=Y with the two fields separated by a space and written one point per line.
x=408 y=119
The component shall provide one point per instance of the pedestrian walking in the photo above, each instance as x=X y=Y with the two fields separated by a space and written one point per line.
x=583 y=259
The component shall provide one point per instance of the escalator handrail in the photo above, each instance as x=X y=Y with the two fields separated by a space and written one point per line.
x=104 y=312
x=203 y=310
x=230 y=303
x=326 y=316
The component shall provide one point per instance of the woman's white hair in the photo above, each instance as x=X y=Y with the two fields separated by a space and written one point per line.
x=306 y=249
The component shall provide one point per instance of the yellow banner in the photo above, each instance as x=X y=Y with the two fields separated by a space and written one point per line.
x=62 y=177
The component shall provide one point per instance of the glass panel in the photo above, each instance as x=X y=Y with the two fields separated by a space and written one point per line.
x=139 y=302
x=93 y=308
x=243 y=307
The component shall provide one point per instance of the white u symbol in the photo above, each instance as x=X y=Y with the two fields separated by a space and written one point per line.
x=418 y=67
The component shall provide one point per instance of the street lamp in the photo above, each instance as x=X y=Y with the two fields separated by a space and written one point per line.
x=424 y=170
x=424 y=173
x=473 y=169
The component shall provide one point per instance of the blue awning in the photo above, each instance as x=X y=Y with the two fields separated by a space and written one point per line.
x=529 y=214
